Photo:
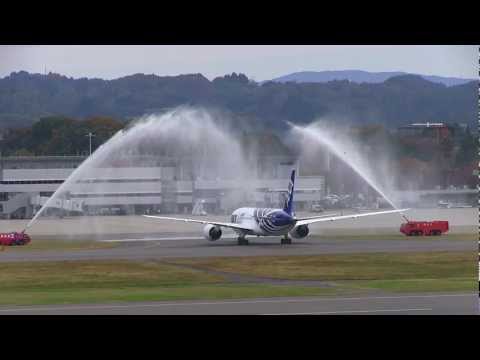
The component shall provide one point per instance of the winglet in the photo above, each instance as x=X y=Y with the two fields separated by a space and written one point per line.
x=288 y=207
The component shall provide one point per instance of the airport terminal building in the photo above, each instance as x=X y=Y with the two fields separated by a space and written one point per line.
x=148 y=185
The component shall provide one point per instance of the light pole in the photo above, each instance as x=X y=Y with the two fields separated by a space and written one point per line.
x=90 y=135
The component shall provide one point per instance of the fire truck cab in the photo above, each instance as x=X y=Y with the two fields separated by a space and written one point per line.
x=14 y=238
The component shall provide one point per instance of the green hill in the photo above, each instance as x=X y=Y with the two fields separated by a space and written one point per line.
x=25 y=97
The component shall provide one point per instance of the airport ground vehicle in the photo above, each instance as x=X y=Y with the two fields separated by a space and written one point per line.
x=317 y=208
x=428 y=228
x=14 y=238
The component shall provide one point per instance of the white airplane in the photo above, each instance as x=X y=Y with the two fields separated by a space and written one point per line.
x=268 y=222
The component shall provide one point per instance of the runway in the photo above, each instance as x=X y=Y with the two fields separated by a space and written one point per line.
x=415 y=304
x=190 y=246
x=165 y=240
x=169 y=239
x=460 y=220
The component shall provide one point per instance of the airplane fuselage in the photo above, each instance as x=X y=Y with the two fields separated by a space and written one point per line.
x=263 y=221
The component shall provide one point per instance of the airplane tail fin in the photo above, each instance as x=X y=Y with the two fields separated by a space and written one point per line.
x=288 y=207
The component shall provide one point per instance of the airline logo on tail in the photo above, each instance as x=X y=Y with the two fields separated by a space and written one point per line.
x=288 y=207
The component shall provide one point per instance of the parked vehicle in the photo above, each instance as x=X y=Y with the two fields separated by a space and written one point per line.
x=317 y=208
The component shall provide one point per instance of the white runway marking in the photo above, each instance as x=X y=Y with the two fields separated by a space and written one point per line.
x=160 y=304
x=351 y=312
x=155 y=239
x=165 y=239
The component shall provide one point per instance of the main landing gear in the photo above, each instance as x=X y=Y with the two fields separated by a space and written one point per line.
x=242 y=241
x=286 y=240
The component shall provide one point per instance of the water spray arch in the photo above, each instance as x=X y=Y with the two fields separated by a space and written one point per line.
x=196 y=134
x=345 y=149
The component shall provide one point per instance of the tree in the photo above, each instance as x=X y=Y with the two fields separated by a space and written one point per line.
x=22 y=152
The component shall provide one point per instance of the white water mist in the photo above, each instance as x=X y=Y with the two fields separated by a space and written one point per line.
x=197 y=134
x=375 y=171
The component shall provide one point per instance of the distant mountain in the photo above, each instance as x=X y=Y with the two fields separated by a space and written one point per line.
x=399 y=100
x=359 y=76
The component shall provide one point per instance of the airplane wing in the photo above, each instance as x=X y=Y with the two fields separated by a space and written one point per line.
x=172 y=238
x=222 y=224
x=344 y=217
x=316 y=217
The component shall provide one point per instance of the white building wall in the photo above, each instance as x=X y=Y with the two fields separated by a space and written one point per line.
x=184 y=186
x=184 y=199
x=28 y=187
x=182 y=191
x=115 y=188
x=272 y=184
x=36 y=174
x=126 y=173
x=98 y=173
x=123 y=200
x=308 y=196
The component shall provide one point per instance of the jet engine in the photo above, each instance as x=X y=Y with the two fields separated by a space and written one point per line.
x=212 y=232
x=299 y=231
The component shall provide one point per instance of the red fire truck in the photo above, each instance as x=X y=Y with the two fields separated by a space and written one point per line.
x=14 y=238
x=420 y=228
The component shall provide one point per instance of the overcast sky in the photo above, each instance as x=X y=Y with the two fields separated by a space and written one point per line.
x=258 y=62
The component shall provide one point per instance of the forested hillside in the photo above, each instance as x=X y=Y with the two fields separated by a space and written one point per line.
x=25 y=98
